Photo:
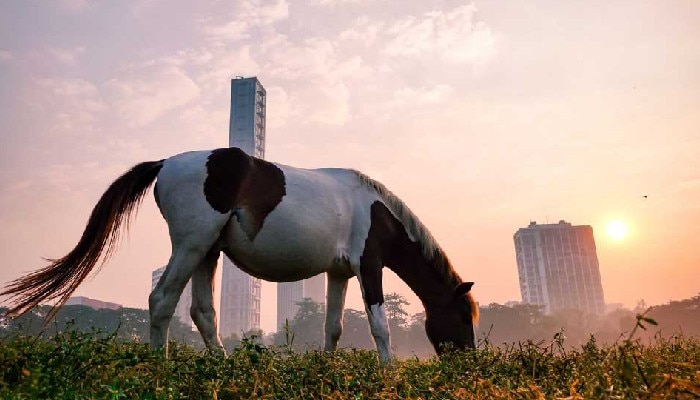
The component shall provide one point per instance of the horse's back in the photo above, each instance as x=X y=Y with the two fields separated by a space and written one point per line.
x=312 y=230
x=277 y=222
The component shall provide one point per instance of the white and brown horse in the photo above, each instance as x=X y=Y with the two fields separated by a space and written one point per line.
x=277 y=223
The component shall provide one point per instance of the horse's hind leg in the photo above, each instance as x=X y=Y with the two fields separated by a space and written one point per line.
x=195 y=217
x=191 y=249
x=335 y=302
x=202 y=310
x=164 y=298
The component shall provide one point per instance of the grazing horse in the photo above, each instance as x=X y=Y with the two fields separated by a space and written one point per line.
x=276 y=223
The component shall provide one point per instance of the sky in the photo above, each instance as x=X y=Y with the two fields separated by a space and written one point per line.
x=482 y=116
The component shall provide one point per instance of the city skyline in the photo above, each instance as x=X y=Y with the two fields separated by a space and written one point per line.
x=481 y=116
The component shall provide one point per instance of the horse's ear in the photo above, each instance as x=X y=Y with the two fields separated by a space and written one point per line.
x=463 y=288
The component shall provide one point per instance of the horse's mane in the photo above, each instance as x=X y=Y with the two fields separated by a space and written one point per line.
x=414 y=227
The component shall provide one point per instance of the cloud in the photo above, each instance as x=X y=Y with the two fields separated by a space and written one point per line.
x=421 y=96
x=66 y=56
x=335 y=2
x=317 y=77
x=248 y=14
x=204 y=126
x=69 y=106
x=689 y=184
x=452 y=36
x=74 y=5
x=364 y=30
x=148 y=92
x=6 y=55
x=232 y=30
x=330 y=105
x=216 y=66
x=279 y=107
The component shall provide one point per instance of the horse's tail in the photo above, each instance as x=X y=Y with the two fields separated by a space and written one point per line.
x=62 y=276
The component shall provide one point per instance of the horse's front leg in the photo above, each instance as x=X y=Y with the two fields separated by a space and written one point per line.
x=335 y=303
x=370 y=277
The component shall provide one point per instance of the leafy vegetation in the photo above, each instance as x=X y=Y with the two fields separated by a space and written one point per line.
x=103 y=354
x=500 y=325
x=76 y=365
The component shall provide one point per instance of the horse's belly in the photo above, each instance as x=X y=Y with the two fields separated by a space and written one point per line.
x=285 y=249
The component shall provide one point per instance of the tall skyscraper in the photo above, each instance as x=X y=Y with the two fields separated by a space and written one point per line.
x=182 y=310
x=247 y=121
x=239 y=310
x=558 y=267
x=289 y=294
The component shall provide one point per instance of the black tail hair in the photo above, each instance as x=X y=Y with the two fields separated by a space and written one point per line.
x=62 y=276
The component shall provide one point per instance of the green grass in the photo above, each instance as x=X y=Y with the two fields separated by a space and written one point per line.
x=86 y=366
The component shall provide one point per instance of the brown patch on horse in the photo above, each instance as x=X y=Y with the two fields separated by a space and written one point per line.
x=226 y=170
x=389 y=242
x=449 y=313
x=248 y=186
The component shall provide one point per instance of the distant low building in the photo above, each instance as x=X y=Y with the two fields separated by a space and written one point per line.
x=92 y=303
x=512 y=303
x=610 y=307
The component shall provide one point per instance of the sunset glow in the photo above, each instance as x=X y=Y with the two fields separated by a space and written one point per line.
x=480 y=115
x=617 y=230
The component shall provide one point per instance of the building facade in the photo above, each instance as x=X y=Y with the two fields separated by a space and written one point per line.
x=558 y=267
x=289 y=294
x=247 y=121
x=182 y=310
x=239 y=310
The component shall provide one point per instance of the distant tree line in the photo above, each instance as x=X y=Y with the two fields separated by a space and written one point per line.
x=124 y=323
x=306 y=330
x=499 y=325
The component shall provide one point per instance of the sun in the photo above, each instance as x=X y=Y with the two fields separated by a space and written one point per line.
x=617 y=230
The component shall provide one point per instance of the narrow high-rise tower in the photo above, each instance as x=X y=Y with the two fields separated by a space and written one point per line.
x=558 y=267
x=240 y=293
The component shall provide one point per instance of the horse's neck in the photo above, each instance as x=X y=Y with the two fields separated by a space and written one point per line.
x=428 y=279
x=427 y=273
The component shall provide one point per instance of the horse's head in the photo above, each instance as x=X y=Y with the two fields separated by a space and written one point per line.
x=454 y=322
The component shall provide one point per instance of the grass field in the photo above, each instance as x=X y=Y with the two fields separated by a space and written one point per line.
x=85 y=366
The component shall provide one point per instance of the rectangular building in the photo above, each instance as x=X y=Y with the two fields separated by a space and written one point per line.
x=558 y=267
x=289 y=294
x=247 y=121
x=239 y=310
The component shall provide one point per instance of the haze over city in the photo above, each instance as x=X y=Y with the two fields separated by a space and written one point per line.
x=481 y=116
